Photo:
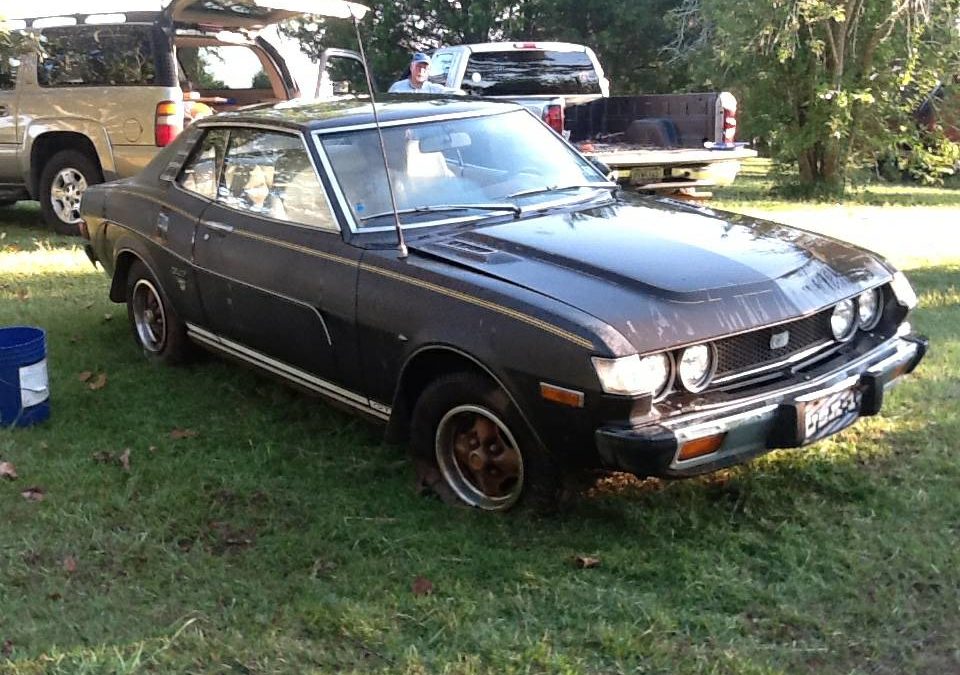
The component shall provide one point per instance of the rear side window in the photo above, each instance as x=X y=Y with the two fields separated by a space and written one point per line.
x=530 y=71
x=8 y=72
x=200 y=173
x=96 y=56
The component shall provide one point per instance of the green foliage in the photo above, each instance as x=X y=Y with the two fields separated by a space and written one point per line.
x=260 y=81
x=628 y=37
x=825 y=83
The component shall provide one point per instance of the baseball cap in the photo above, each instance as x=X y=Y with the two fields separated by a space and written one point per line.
x=420 y=57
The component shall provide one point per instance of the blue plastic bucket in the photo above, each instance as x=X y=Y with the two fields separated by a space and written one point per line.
x=24 y=391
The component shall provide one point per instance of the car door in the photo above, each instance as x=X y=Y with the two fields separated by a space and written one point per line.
x=278 y=281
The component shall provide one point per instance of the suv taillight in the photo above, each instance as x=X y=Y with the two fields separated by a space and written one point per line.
x=729 y=104
x=553 y=116
x=169 y=122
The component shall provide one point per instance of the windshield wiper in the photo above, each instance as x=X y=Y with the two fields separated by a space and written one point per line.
x=512 y=208
x=559 y=188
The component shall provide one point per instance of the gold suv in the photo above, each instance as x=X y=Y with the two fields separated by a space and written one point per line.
x=93 y=97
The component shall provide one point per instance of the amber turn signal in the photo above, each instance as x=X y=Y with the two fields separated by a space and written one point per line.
x=700 y=446
x=567 y=397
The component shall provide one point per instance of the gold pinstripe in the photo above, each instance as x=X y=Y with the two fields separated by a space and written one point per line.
x=500 y=309
x=155 y=200
x=506 y=311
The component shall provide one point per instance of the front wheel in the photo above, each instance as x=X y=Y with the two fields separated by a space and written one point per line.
x=156 y=327
x=63 y=181
x=467 y=429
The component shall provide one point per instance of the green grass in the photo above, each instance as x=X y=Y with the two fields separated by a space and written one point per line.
x=285 y=538
x=754 y=187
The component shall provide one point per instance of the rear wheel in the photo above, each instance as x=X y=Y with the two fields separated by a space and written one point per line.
x=62 y=184
x=469 y=432
x=156 y=327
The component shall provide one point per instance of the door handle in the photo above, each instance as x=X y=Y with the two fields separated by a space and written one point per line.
x=219 y=227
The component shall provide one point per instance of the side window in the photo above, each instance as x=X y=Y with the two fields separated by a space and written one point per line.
x=96 y=56
x=8 y=72
x=342 y=75
x=440 y=67
x=199 y=174
x=270 y=173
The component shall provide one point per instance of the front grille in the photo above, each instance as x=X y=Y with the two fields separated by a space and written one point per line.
x=750 y=351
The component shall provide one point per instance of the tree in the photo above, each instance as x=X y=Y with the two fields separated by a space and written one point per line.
x=628 y=36
x=825 y=82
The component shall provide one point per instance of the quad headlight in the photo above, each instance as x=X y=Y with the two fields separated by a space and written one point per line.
x=843 y=321
x=868 y=308
x=695 y=367
x=634 y=375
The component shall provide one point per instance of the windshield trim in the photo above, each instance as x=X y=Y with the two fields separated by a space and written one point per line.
x=408 y=121
x=354 y=226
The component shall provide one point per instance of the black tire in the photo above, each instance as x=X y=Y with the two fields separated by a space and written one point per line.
x=7 y=202
x=62 y=182
x=454 y=418
x=156 y=327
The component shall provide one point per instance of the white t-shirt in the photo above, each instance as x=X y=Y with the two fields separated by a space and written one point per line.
x=404 y=87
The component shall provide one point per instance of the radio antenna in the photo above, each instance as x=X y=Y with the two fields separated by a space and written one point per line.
x=401 y=244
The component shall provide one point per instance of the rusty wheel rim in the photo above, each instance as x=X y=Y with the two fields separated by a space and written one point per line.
x=479 y=458
x=149 y=317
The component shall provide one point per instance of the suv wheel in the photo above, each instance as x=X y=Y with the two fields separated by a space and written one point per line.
x=62 y=183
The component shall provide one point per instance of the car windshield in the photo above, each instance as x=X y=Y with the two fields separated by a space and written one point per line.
x=459 y=169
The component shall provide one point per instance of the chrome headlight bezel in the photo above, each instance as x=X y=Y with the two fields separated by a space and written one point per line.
x=841 y=328
x=903 y=291
x=873 y=301
x=700 y=379
x=635 y=375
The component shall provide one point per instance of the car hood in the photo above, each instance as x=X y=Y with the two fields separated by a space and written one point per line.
x=663 y=273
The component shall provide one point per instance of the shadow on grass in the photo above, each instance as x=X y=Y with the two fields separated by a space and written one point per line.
x=22 y=228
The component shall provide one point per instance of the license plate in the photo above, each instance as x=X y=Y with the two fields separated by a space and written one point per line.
x=645 y=174
x=830 y=414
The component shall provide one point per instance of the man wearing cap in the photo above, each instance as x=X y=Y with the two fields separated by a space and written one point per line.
x=417 y=82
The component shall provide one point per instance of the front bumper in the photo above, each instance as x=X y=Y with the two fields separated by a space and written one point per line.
x=792 y=416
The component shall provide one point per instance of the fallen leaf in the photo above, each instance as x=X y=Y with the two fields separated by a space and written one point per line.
x=586 y=562
x=54 y=596
x=152 y=448
x=177 y=434
x=75 y=339
x=107 y=317
x=69 y=564
x=88 y=305
x=125 y=460
x=8 y=471
x=102 y=457
x=43 y=445
x=7 y=648
x=322 y=568
x=85 y=375
x=422 y=586
x=23 y=293
x=33 y=494
x=98 y=382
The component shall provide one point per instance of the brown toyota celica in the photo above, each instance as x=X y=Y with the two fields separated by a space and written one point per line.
x=537 y=322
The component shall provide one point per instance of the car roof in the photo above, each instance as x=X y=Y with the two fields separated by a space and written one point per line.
x=311 y=115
